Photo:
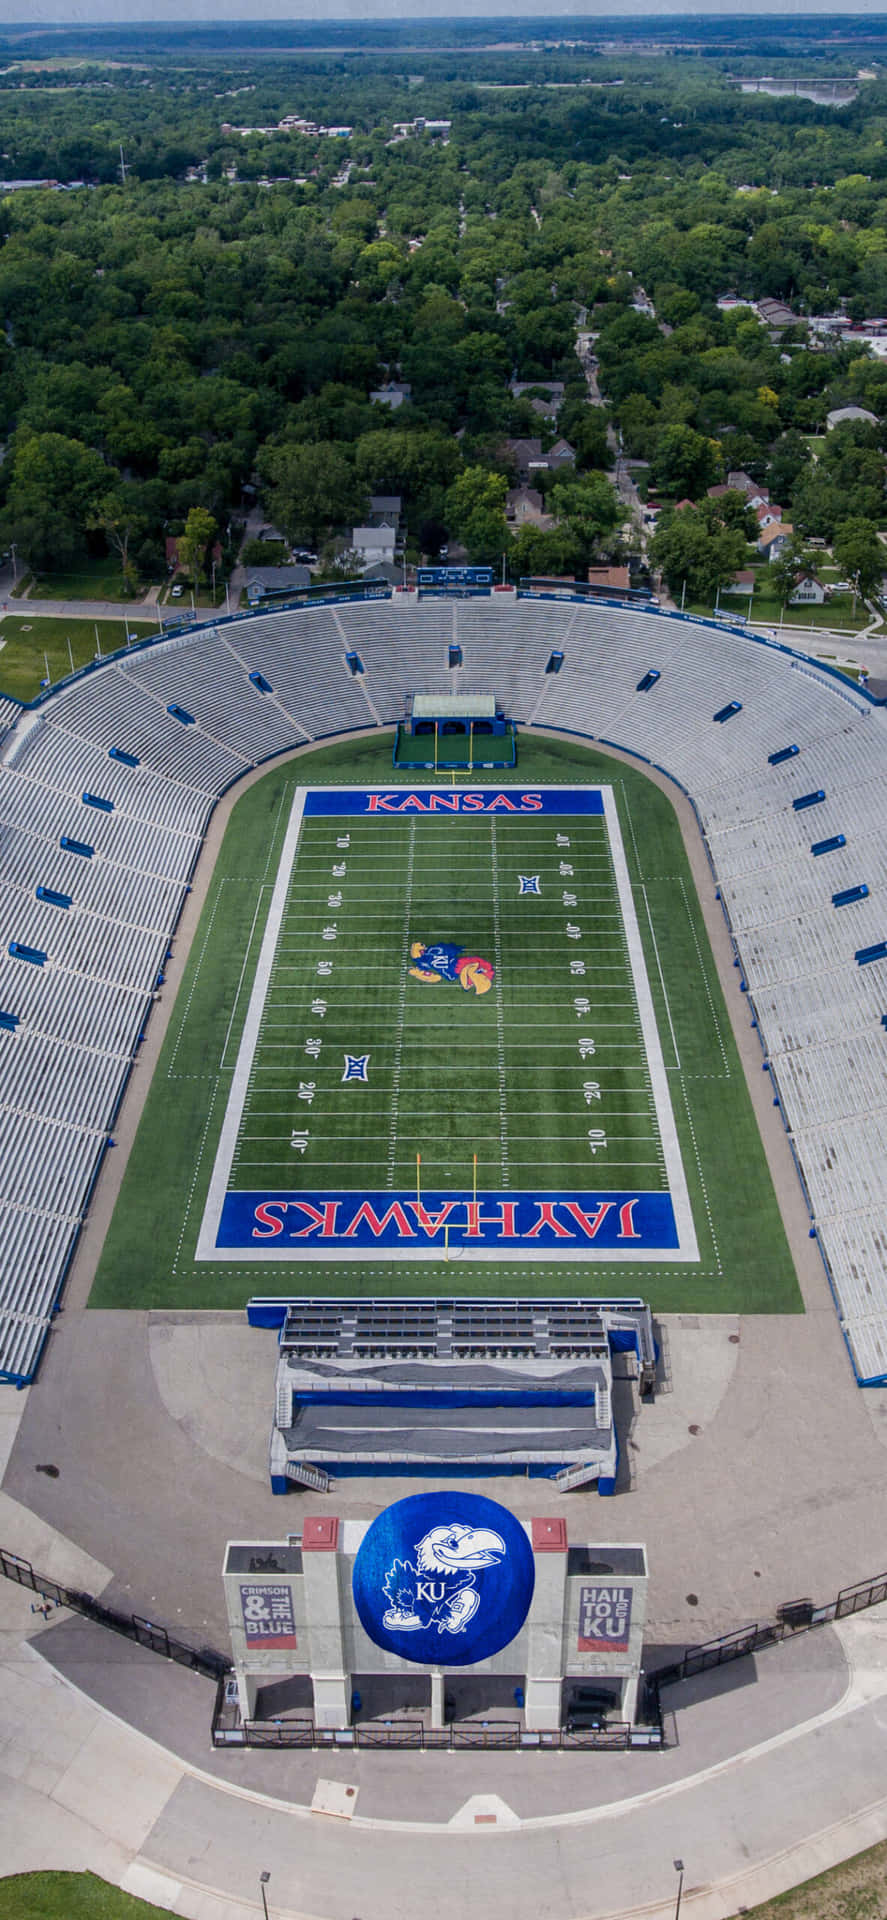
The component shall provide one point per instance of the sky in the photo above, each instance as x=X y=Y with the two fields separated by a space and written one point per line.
x=71 y=13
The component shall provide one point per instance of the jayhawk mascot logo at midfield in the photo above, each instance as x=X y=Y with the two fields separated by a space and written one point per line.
x=440 y=1591
x=444 y=961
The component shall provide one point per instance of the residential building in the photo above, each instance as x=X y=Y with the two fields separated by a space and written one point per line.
x=525 y=507
x=373 y=544
x=772 y=540
x=394 y=394
x=841 y=416
x=808 y=591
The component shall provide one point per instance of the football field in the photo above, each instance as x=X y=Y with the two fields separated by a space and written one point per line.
x=450 y=1013
x=454 y=1038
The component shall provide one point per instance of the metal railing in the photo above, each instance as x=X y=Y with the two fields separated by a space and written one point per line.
x=459 y=1736
x=792 y=1618
x=146 y=1633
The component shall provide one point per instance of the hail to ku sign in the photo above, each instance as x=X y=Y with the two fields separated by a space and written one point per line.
x=604 y=1619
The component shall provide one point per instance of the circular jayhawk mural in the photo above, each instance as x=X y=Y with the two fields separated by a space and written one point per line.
x=444 y=1579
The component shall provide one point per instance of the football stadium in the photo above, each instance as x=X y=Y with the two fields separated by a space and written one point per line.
x=439 y=1029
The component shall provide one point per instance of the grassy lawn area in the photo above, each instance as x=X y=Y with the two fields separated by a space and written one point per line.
x=94 y=580
x=27 y=646
x=203 y=595
x=70 y=1896
x=837 y=615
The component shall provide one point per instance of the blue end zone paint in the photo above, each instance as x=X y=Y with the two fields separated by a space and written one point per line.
x=442 y=804
x=637 y=1222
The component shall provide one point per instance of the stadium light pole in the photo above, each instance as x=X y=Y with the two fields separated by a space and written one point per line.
x=679 y=1870
x=264 y=1878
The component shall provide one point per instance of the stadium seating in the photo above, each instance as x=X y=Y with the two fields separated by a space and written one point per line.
x=77 y=1019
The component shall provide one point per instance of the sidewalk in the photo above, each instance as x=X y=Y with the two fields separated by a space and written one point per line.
x=84 y=1790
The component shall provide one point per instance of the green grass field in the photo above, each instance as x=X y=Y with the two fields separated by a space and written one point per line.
x=449 y=1072
x=99 y=579
x=443 y=1111
x=28 y=644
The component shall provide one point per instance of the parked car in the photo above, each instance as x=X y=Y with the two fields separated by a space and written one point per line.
x=176 y=593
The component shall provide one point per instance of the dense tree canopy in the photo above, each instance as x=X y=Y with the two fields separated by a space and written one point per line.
x=218 y=310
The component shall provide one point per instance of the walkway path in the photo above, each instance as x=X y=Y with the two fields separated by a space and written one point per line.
x=81 y=1789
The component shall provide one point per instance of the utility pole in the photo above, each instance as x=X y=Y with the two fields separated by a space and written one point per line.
x=122 y=166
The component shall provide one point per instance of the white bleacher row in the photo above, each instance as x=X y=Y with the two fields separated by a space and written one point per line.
x=93 y=885
x=40 y=1075
x=834 y=1081
x=206 y=678
x=70 y=1008
x=58 y=758
x=112 y=700
x=819 y=1014
x=85 y=943
x=780 y=893
x=856 y=1247
x=830 y=1008
x=50 y=814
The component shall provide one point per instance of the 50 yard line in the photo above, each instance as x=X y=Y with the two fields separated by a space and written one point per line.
x=401 y=1010
x=500 y=1012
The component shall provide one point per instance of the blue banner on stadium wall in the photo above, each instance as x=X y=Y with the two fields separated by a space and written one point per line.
x=634 y=1222
x=444 y=1579
x=454 y=576
x=444 y=802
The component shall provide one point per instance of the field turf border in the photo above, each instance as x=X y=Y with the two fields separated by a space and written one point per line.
x=745 y=1262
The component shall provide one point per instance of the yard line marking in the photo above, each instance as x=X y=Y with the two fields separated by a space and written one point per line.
x=401 y=1006
x=708 y=994
x=677 y=1057
x=263 y=888
x=500 y=1011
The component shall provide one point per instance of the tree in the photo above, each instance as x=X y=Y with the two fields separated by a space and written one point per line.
x=860 y=555
x=475 y=512
x=117 y=516
x=788 y=458
x=200 y=529
x=588 y=507
x=554 y=551
x=702 y=554
x=311 y=487
x=55 y=485
x=686 y=462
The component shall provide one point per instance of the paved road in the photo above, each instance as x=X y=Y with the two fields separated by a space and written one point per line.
x=83 y=1790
